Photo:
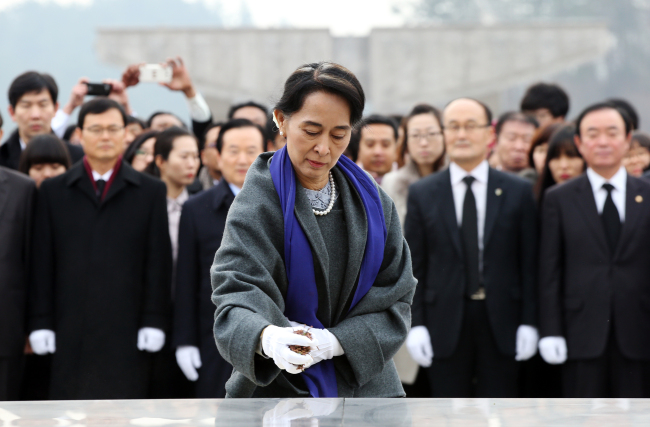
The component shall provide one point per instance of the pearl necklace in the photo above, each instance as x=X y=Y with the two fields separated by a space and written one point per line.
x=332 y=198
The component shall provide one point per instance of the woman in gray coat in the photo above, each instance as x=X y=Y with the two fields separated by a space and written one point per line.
x=313 y=281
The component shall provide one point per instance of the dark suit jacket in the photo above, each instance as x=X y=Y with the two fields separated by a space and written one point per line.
x=103 y=272
x=17 y=194
x=10 y=151
x=200 y=232
x=583 y=287
x=509 y=259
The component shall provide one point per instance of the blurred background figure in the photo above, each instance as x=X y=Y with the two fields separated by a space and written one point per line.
x=210 y=174
x=514 y=134
x=637 y=160
x=539 y=147
x=548 y=103
x=201 y=228
x=139 y=154
x=134 y=127
x=45 y=157
x=375 y=139
x=256 y=113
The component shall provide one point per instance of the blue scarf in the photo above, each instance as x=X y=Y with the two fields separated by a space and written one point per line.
x=301 y=302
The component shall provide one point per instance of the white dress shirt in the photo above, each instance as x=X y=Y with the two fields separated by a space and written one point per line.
x=105 y=177
x=618 y=181
x=479 y=188
x=235 y=190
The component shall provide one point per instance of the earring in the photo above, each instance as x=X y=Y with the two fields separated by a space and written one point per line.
x=281 y=133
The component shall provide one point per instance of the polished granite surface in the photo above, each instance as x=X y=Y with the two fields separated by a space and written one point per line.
x=330 y=412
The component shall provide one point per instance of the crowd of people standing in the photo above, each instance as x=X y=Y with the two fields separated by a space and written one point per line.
x=527 y=234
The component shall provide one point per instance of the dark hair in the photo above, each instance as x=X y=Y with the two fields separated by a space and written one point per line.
x=416 y=111
x=545 y=95
x=68 y=132
x=165 y=144
x=238 y=123
x=160 y=113
x=514 y=116
x=130 y=120
x=376 y=119
x=486 y=109
x=129 y=154
x=322 y=76
x=542 y=136
x=233 y=109
x=99 y=105
x=624 y=105
x=641 y=138
x=204 y=137
x=32 y=81
x=561 y=142
x=604 y=106
x=43 y=149
x=1 y=122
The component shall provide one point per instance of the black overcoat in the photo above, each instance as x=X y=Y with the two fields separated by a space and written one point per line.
x=201 y=229
x=103 y=272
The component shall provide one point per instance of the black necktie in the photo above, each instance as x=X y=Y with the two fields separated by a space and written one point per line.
x=469 y=234
x=101 y=184
x=611 y=219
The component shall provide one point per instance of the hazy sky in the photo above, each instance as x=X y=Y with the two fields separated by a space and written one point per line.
x=343 y=17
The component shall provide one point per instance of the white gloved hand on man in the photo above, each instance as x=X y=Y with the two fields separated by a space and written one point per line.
x=150 y=339
x=188 y=358
x=527 y=338
x=276 y=342
x=553 y=350
x=43 y=341
x=328 y=345
x=419 y=346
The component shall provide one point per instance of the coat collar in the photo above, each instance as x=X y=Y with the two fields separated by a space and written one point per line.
x=12 y=149
x=635 y=205
x=222 y=195
x=448 y=210
x=78 y=177
x=4 y=190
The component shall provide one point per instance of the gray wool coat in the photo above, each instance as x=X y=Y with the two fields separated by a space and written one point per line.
x=249 y=284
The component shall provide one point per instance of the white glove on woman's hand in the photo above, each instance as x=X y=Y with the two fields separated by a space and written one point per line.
x=276 y=342
x=188 y=358
x=43 y=341
x=151 y=339
x=527 y=338
x=328 y=345
x=419 y=346
x=553 y=350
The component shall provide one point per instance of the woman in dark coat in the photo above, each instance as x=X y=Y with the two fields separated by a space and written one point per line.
x=312 y=245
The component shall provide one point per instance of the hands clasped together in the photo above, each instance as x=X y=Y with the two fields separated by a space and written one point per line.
x=276 y=342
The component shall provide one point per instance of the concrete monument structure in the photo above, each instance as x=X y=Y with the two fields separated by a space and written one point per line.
x=398 y=67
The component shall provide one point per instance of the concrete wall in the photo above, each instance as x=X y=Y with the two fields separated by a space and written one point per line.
x=397 y=67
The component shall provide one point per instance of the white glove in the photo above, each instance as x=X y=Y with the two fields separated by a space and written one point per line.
x=553 y=350
x=150 y=339
x=419 y=346
x=188 y=358
x=527 y=338
x=328 y=345
x=43 y=341
x=276 y=342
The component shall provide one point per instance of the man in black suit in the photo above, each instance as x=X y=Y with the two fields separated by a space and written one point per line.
x=32 y=105
x=16 y=204
x=101 y=289
x=201 y=228
x=473 y=238
x=594 y=282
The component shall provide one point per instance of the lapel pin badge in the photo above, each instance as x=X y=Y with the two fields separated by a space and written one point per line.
x=638 y=199
x=498 y=191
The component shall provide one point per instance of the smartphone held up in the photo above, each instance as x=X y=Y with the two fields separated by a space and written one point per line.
x=155 y=73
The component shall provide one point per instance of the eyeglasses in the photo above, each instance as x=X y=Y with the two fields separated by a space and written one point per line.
x=143 y=153
x=430 y=137
x=98 y=130
x=469 y=127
